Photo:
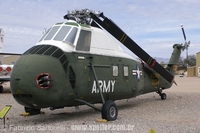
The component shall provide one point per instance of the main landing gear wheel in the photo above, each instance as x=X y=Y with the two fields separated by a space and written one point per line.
x=109 y=111
x=1 y=89
x=32 y=111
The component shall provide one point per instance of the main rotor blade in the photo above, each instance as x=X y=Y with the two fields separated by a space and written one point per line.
x=9 y=54
x=121 y=36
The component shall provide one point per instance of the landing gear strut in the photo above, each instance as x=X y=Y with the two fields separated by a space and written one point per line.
x=162 y=95
x=32 y=111
x=1 y=89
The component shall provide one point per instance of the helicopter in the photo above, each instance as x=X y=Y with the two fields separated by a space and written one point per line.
x=77 y=63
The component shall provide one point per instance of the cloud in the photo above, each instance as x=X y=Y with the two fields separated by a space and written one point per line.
x=154 y=25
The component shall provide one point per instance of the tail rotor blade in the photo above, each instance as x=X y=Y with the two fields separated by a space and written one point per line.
x=186 y=45
x=183 y=32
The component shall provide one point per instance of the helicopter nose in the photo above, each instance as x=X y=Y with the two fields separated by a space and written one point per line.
x=37 y=77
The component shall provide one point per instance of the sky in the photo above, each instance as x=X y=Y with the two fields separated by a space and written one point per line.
x=153 y=24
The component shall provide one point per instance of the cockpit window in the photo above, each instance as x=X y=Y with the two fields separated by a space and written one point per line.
x=52 y=33
x=71 y=37
x=65 y=33
x=62 y=33
x=84 y=41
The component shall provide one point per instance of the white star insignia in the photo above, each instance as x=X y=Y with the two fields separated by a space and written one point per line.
x=137 y=72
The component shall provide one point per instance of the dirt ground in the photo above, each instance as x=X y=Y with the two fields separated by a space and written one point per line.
x=186 y=84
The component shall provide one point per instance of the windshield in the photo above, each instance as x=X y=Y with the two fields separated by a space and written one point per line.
x=61 y=33
x=71 y=37
x=52 y=33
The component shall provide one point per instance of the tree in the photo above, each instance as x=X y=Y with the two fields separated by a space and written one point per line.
x=191 y=61
x=183 y=63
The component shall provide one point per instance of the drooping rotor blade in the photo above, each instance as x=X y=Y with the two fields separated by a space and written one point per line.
x=121 y=36
x=183 y=32
x=9 y=54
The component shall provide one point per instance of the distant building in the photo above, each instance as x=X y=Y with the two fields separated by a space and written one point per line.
x=198 y=64
x=10 y=59
x=194 y=71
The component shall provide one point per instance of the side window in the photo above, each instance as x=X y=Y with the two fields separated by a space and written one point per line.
x=125 y=71
x=115 y=71
x=84 y=41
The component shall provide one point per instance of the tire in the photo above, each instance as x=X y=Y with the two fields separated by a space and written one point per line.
x=32 y=111
x=109 y=111
x=163 y=96
x=1 y=89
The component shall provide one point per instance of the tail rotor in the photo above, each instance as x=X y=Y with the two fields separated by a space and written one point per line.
x=186 y=44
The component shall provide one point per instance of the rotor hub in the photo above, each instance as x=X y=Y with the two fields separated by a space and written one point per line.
x=81 y=16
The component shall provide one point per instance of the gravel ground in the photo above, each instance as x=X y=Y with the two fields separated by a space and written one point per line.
x=180 y=112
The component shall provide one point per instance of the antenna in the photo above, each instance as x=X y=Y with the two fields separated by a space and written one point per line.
x=186 y=45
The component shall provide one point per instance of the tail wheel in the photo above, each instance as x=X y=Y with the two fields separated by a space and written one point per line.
x=109 y=111
x=163 y=96
x=32 y=111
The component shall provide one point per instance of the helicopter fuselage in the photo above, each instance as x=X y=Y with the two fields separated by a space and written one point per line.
x=118 y=78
